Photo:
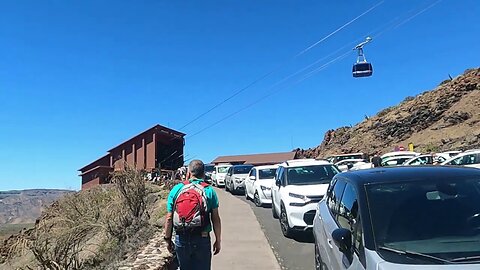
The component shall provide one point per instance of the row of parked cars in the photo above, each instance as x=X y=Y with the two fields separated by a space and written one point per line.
x=415 y=217
x=356 y=161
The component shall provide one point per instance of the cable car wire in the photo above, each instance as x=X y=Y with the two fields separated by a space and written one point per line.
x=316 y=70
x=262 y=77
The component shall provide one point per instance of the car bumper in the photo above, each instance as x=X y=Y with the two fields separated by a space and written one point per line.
x=220 y=182
x=238 y=186
x=301 y=217
x=265 y=196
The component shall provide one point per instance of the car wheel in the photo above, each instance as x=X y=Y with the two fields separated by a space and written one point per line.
x=226 y=186
x=274 y=213
x=246 y=196
x=286 y=230
x=256 y=199
x=318 y=258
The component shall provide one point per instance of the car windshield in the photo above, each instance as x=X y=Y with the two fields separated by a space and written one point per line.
x=440 y=218
x=241 y=169
x=223 y=169
x=309 y=175
x=266 y=173
x=209 y=168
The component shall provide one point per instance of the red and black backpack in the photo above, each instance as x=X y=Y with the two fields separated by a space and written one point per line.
x=190 y=207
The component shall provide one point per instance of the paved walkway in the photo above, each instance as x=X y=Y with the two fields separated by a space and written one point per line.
x=244 y=245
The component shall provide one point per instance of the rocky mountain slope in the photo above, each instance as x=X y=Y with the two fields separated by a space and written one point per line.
x=446 y=118
x=25 y=206
x=112 y=226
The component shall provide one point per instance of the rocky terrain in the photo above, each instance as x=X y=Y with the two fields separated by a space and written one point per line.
x=114 y=226
x=446 y=118
x=25 y=206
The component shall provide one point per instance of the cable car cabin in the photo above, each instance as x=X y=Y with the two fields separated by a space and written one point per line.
x=364 y=69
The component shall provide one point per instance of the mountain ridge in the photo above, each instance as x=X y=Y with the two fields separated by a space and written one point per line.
x=445 y=118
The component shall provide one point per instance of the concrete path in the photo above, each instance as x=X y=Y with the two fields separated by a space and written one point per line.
x=244 y=245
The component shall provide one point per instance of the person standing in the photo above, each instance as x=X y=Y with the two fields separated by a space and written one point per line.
x=192 y=209
x=376 y=160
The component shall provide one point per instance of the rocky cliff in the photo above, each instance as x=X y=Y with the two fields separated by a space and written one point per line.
x=446 y=118
x=25 y=206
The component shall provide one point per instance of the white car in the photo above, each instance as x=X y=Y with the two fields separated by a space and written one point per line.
x=452 y=153
x=399 y=153
x=258 y=184
x=337 y=158
x=218 y=175
x=469 y=159
x=299 y=185
x=427 y=159
x=395 y=160
x=347 y=164
x=235 y=178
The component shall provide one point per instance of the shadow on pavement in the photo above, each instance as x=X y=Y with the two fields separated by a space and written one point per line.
x=304 y=237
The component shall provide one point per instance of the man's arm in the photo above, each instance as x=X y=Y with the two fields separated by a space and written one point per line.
x=217 y=229
x=168 y=228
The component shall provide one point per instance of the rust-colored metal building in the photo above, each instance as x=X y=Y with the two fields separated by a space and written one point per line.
x=158 y=147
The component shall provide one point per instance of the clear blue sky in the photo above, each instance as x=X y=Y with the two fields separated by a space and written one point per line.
x=79 y=77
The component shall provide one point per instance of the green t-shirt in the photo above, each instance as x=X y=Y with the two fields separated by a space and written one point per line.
x=212 y=199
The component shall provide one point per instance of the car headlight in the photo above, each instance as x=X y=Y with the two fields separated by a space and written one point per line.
x=298 y=196
x=293 y=195
x=264 y=188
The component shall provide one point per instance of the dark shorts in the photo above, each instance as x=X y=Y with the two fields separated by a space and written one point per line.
x=194 y=252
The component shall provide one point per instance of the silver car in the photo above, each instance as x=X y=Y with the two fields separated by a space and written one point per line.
x=235 y=178
x=400 y=218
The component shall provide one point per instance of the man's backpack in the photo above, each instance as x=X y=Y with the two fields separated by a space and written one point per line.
x=190 y=208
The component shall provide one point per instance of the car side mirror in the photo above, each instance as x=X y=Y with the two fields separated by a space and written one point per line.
x=343 y=240
x=277 y=182
x=252 y=177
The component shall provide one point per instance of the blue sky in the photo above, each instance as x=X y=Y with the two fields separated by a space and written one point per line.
x=79 y=77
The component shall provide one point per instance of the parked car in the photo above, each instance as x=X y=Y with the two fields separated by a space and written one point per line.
x=400 y=218
x=347 y=164
x=209 y=169
x=299 y=186
x=427 y=159
x=235 y=178
x=218 y=176
x=452 y=153
x=469 y=159
x=395 y=160
x=258 y=184
x=336 y=158
x=399 y=153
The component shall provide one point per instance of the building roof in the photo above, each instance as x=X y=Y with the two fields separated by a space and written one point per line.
x=254 y=159
x=156 y=128
x=103 y=161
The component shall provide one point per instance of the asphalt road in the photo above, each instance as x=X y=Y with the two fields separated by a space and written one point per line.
x=292 y=254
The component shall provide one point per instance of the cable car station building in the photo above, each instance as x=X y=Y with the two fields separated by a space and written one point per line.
x=156 y=148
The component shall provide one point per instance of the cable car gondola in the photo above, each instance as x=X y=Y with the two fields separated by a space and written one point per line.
x=362 y=68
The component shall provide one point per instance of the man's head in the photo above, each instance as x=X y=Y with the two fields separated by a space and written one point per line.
x=196 y=169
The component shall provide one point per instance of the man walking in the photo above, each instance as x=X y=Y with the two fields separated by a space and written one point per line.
x=192 y=208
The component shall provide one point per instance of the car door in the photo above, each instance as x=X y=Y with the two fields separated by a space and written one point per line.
x=228 y=176
x=249 y=183
x=275 y=189
x=329 y=212
x=348 y=217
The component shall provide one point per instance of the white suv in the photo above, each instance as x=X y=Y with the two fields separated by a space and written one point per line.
x=299 y=186
x=468 y=159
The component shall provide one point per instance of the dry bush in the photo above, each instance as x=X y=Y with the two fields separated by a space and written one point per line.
x=91 y=229
x=61 y=237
